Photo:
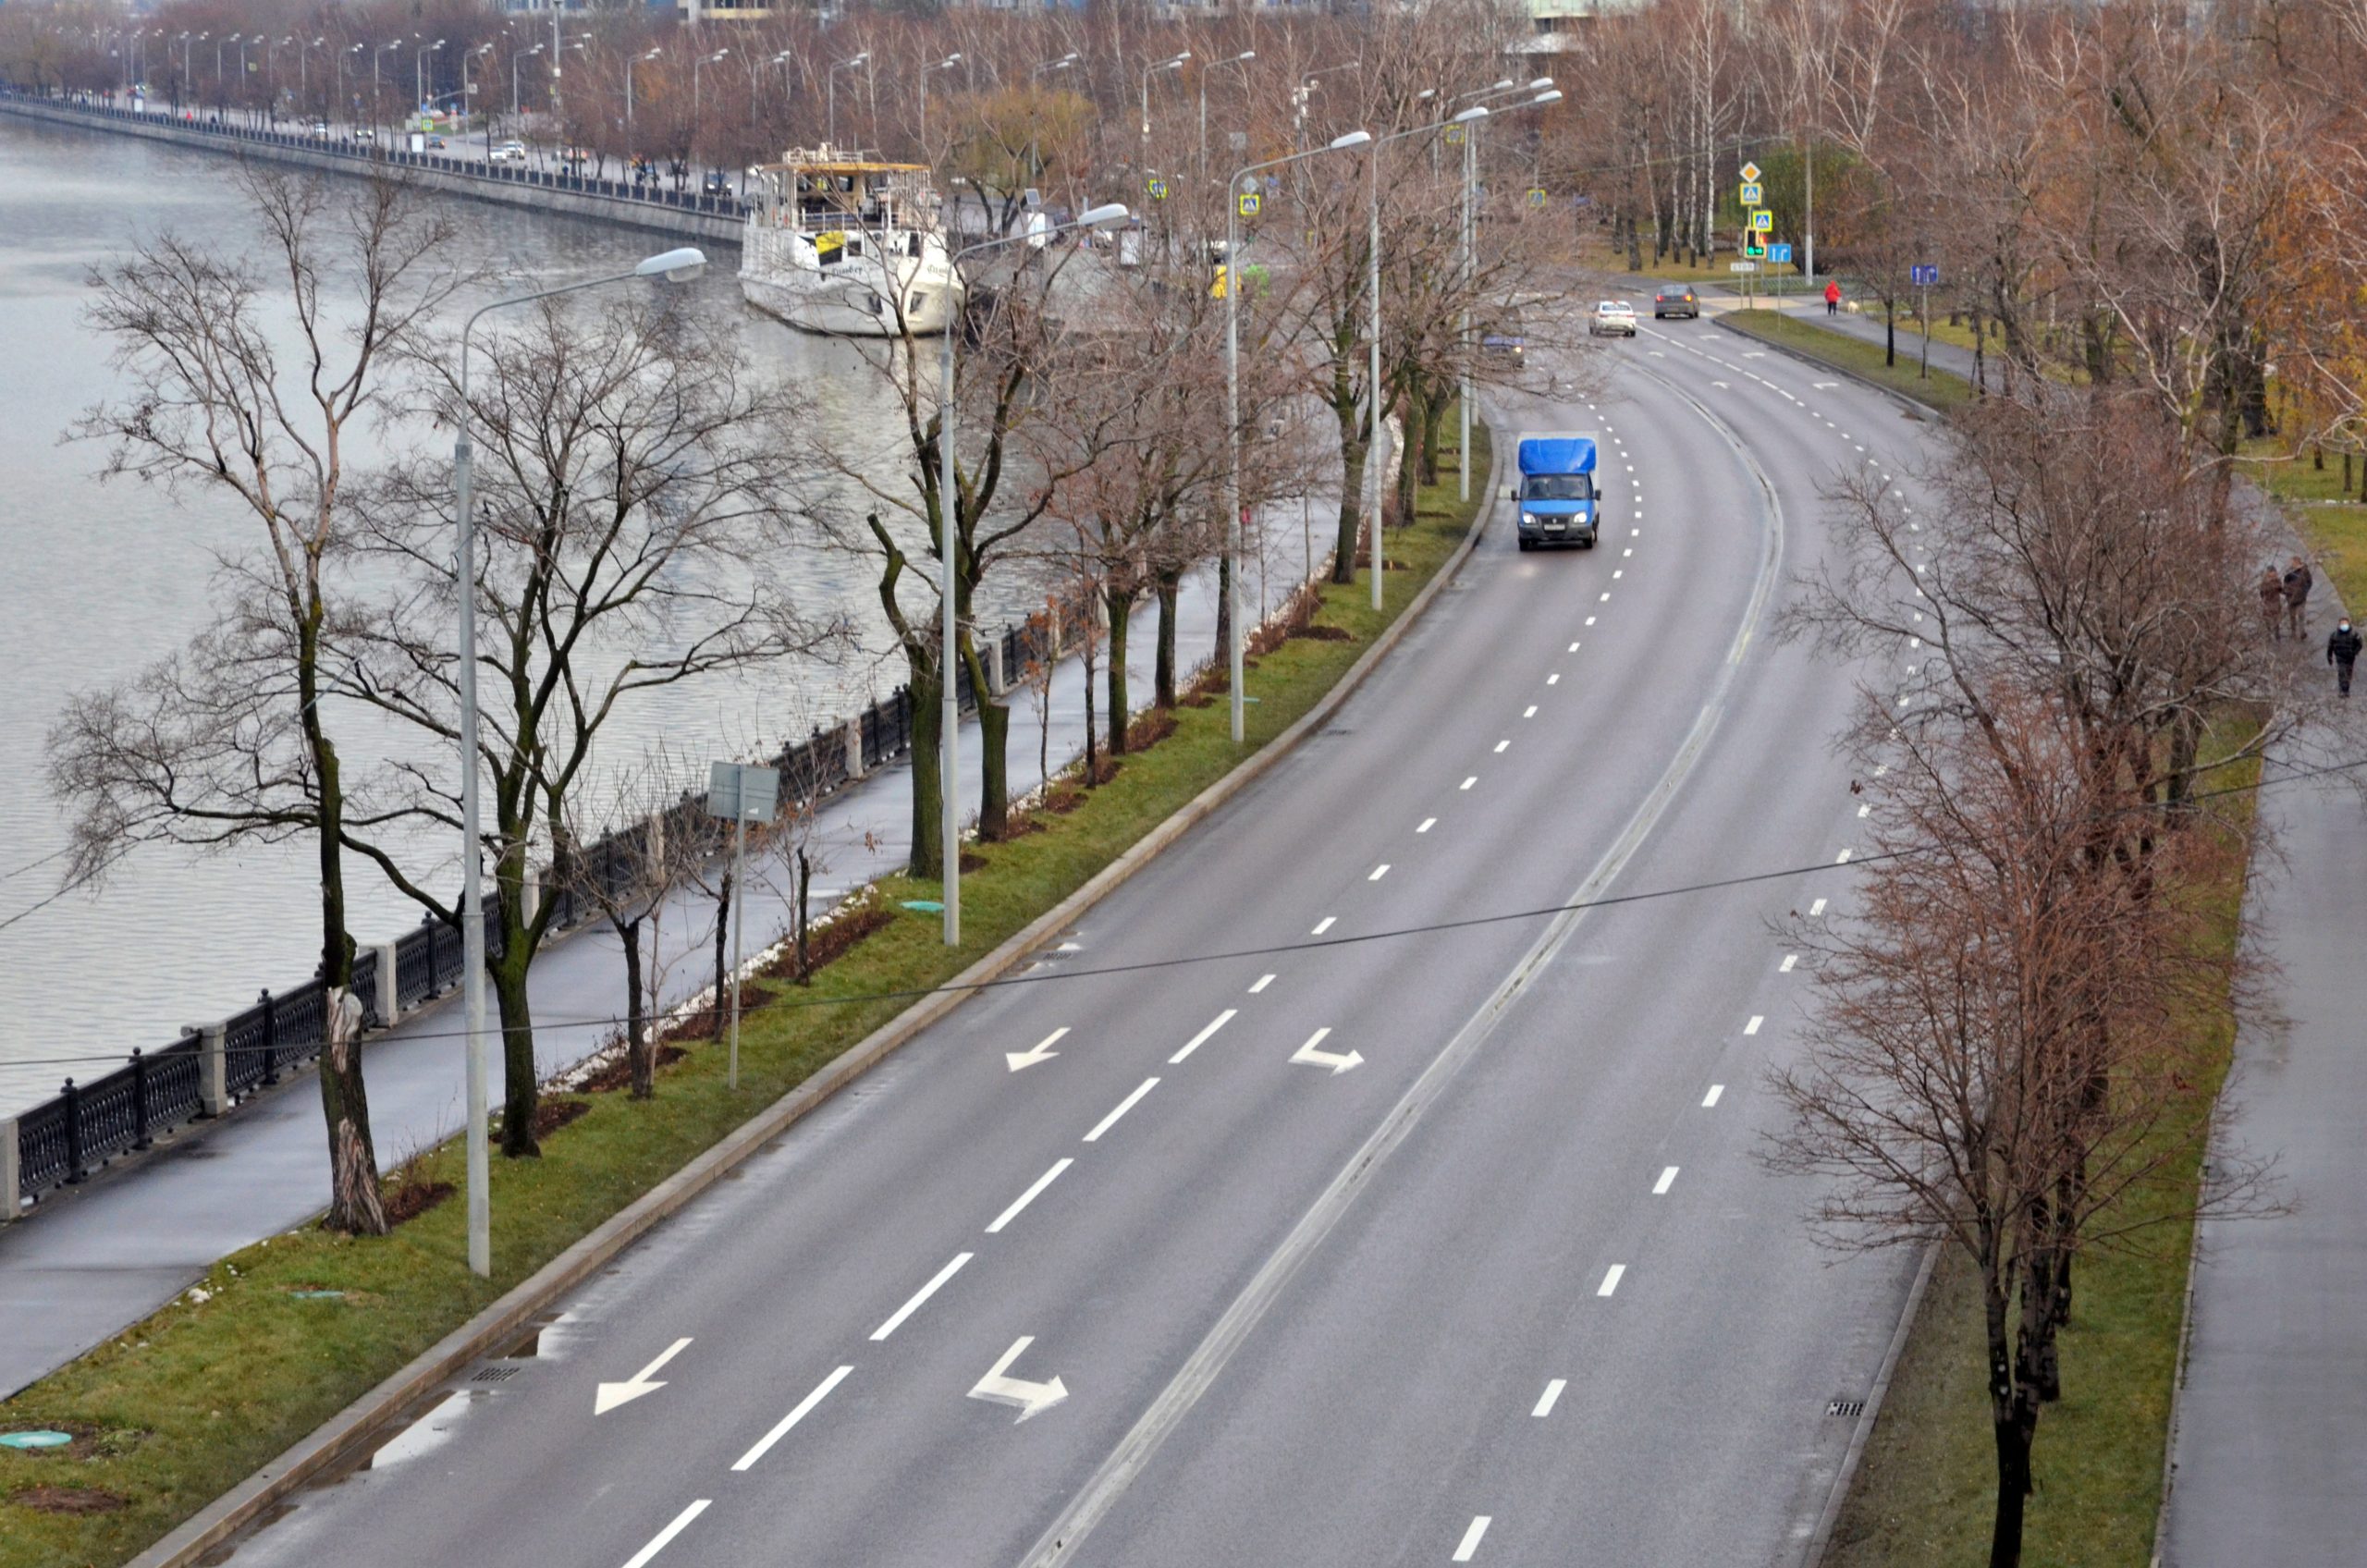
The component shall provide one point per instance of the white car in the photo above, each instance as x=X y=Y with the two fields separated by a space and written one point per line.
x=508 y=152
x=1612 y=315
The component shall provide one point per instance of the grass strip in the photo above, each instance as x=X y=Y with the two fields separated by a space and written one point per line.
x=179 y=1408
x=2331 y=522
x=1854 y=356
x=1925 y=1490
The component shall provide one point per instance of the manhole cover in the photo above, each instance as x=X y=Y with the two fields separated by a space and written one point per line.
x=35 y=1440
x=1844 y=1407
x=494 y=1375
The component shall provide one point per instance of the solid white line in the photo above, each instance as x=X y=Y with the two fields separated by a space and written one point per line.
x=1427 y=823
x=1531 y=713
x=1008 y=1215
x=1202 y=1037
x=926 y=1292
x=1471 y=1538
x=1502 y=744
x=1263 y=981
x=1468 y=782
x=1325 y=923
x=1610 y=1279
x=1816 y=909
x=822 y=1391
x=1712 y=1097
x=1789 y=960
x=1123 y=1105
x=657 y=1542
x=1756 y=1020
x=1553 y=1392
x=1667 y=1180
x=1378 y=872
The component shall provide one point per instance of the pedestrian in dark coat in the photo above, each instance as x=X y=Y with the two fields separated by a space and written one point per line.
x=2297 y=584
x=2342 y=652
x=2272 y=603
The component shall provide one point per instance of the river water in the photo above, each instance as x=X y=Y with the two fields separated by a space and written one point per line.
x=101 y=579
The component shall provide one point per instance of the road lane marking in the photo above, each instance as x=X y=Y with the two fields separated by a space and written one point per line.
x=1008 y=1215
x=1032 y=1398
x=1618 y=574
x=1041 y=1051
x=1816 y=909
x=1574 y=647
x=1378 y=872
x=1531 y=713
x=1500 y=745
x=1610 y=1279
x=1789 y=960
x=1468 y=782
x=609 y=1396
x=1667 y=1180
x=1553 y=1392
x=1863 y=811
x=1125 y=1106
x=1712 y=1097
x=1843 y=858
x=1555 y=678
x=1756 y=1020
x=921 y=1295
x=1325 y=923
x=1606 y=595
x=822 y=1391
x=657 y=1542
x=1471 y=1537
x=1263 y=981
x=1202 y=1037
x=1427 y=823
x=1337 y=1061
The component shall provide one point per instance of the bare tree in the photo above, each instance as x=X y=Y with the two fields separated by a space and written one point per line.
x=227 y=741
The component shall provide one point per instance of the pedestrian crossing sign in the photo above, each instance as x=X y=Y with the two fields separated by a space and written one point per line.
x=1157 y=188
x=1762 y=222
x=1249 y=203
x=1753 y=193
x=1536 y=195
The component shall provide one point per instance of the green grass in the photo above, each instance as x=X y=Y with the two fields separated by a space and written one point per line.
x=1941 y=390
x=179 y=1408
x=1927 y=1489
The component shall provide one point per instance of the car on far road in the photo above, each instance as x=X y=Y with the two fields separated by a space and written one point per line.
x=1613 y=317
x=321 y=130
x=716 y=183
x=436 y=143
x=1677 y=300
x=508 y=152
x=1506 y=339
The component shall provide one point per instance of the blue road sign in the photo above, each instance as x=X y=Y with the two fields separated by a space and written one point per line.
x=1924 y=277
x=1779 y=252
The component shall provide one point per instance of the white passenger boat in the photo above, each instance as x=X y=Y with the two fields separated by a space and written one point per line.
x=841 y=243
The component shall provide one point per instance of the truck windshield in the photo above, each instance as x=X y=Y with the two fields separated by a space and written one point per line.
x=1559 y=487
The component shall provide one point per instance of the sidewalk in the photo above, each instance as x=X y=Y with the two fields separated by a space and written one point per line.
x=91 y=1261
x=1866 y=327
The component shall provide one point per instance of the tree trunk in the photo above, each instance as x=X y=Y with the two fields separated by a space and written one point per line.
x=1163 y=686
x=1227 y=596
x=805 y=924
x=356 y=1206
x=2011 y=1437
x=724 y=893
x=1433 y=417
x=994 y=771
x=1092 y=741
x=1414 y=458
x=520 y=1092
x=1120 y=606
x=928 y=861
x=638 y=1048
x=1354 y=454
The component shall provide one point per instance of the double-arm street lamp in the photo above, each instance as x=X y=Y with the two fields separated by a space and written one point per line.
x=678 y=266
x=1241 y=59
x=1541 y=85
x=1231 y=564
x=947 y=538
x=830 y=89
x=419 y=73
x=947 y=64
x=1149 y=71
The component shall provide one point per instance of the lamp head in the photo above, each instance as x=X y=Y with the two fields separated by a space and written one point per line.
x=676 y=266
x=1246 y=54
x=1505 y=86
x=1476 y=112
x=1108 y=216
x=1551 y=95
x=1352 y=139
x=1541 y=83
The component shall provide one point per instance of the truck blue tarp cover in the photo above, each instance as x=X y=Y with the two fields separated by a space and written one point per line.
x=1557 y=454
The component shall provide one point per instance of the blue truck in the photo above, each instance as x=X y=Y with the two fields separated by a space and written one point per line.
x=1556 y=492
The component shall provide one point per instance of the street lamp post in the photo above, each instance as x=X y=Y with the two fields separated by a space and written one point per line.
x=632 y=146
x=1175 y=64
x=947 y=504
x=1241 y=59
x=1232 y=403
x=830 y=83
x=516 y=60
x=698 y=61
x=1035 y=132
x=947 y=64
x=678 y=266
x=419 y=74
x=1308 y=86
x=1470 y=192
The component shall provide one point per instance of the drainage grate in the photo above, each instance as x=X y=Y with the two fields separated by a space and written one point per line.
x=1844 y=1407
x=496 y=1374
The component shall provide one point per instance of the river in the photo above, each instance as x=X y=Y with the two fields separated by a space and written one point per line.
x=105 y=579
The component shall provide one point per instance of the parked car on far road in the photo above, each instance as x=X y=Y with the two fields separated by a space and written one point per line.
x=508 y=152
x=1613 y=318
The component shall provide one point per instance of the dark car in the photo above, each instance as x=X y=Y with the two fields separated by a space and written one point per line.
x=1505 y=337
x=716 y=183
x=1677 y=302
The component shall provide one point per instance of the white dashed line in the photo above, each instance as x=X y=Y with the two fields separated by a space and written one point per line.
x=923 y=1294
x=1468 y=782
x=1816 y=909
x=1471 y=1538
x=1201 y=1038
x=1574 y=647
x=1008 y=1215
x=1605 y=598
x=1712 y=1097
x=1555 y=678
x=1843 y=858
x=1616 y=576
x=1123 y=1105
x=1865 y=810
x=806 y=1406
x=1667 y=1180
x=1530 y=712
x=1756 y=1020
x=1427 y=823
x=1545 y=1401
x=1500 y=745
x=1789 y=960
x=1378 y=872
x=1263 y=981
x=657 y=1542
x=1325 y=923
x=1610 y=1279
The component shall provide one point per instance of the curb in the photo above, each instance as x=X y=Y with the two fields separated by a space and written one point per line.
x=1821 y=1541
x=356 y=1427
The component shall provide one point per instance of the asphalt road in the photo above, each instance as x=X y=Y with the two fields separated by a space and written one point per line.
x=1345 y=1247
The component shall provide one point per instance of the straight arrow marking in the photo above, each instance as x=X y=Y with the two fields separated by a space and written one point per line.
x=607 y=1396
x=804 y=1407
x=1337 y=1062
x=1041 y=1051
x=1032 y=1399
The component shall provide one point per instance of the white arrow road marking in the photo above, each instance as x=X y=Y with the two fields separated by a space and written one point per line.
x=1032 y=1398
x=1553 y=1392
x=1720 y=383
x=1040 y=1051
x=921 y=1295
x=1008 y=1215
x=1201 y=1038
x=1123 y=1105
x=1470 y=1546
x=607 y=1396
x=804 y=1407
x=657 y=1542
x=1333 y=1060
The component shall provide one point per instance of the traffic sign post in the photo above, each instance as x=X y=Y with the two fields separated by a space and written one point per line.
x=1249 y=202
x=1536 y=195
x=1155 y=189
x=743 y=794
x=1923 y=275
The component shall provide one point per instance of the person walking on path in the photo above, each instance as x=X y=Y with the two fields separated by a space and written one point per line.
x=2299 y=581
x=2342 y=652
x=2272 y=603
x=1832 y=299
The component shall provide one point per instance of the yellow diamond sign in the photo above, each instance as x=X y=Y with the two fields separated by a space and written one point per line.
x=1749 y=172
